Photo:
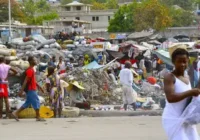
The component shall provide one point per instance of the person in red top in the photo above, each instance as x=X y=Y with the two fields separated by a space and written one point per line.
x=31 y=95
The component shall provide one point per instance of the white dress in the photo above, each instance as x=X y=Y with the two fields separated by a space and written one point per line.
x=172 y=119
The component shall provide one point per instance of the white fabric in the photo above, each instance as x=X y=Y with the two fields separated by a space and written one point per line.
x=198 y=68
x=192 y=112
x=47 y=81
x=104 y=59
x=142 y=66
x=4 y=69
x=112 y=77
x=63 y=85
x=172 y=117
x=129 y=95
x=154 y=64
x=62 y=66
x=126 y=77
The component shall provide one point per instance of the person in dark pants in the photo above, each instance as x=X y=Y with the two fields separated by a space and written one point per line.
x=31 y=95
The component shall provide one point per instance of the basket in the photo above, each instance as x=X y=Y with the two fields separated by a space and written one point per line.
x=70 y=112
x=27 y=113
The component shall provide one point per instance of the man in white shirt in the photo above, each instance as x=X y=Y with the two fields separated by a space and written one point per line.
x=126 y=79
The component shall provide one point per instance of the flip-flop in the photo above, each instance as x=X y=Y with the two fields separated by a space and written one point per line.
x=40 y=120
x=15 y=117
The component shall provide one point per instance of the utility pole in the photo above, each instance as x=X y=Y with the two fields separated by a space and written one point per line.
x=9 y=15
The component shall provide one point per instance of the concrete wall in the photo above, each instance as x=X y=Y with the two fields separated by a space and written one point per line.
x=189 y=31
x=170 y=32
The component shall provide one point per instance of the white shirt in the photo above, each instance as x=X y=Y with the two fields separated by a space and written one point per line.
x=126 y=77
x=62 y=66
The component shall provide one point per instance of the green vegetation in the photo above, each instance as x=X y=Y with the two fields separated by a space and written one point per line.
x=153 y=14
x=29 y=11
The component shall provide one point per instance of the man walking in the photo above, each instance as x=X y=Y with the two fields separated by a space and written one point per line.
x=31 y=95
x=126 y=79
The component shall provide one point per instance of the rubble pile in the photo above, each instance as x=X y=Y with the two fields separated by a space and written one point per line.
x=98 y=88
x=33 y=43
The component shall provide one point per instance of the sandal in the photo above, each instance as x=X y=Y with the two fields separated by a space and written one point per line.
x=40 y=120
x=15 y=117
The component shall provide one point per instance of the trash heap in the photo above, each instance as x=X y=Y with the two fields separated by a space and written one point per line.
x=11 y=56
x=98 y=88
x=33 y=43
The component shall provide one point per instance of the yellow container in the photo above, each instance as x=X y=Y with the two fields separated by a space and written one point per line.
x=45 y=112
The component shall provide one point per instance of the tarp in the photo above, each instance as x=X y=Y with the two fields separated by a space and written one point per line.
x=93 y=65
x=164 y=56
x=139 y=35
x=188 y=44
x=140 y=47
x=194 y=52
x=115 y=54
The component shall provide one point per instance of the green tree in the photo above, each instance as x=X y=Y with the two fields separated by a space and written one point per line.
x=91 y=1
x=63 y=2
x=16 y=11
x=152 y=14
x=181 y=17
x=98 y=6
x=112 y=4
x=39 y=19
x=37 y=12
x=87 y=1
x=123 y=19
x=185 y=4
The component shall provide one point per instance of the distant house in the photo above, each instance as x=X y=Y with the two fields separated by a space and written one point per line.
x=23 y=30
x=81 y=16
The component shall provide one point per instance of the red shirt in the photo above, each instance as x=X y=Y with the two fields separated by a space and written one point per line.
x=30 y=73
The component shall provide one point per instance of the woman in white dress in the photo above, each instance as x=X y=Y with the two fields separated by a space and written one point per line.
x=178 y=92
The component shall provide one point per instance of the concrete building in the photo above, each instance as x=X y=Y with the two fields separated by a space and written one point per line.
x=81 y=14
x=23 y=30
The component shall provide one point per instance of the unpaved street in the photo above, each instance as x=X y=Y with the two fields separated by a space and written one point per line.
x=113 y=128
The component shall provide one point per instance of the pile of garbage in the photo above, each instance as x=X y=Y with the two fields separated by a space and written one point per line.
x=11 y=56
x=98 y=88
x=35 y=42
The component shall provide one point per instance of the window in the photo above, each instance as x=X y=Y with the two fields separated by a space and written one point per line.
x=78 y=8
x=93 y=18
x=77 y=18
x=108 y=18
x=67 y=8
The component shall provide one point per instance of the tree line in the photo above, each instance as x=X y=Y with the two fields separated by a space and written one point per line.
x=137 y=16
x=29 y=11
x=154 y=14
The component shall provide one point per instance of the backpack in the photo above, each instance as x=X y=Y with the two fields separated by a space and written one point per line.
x=22 y=78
